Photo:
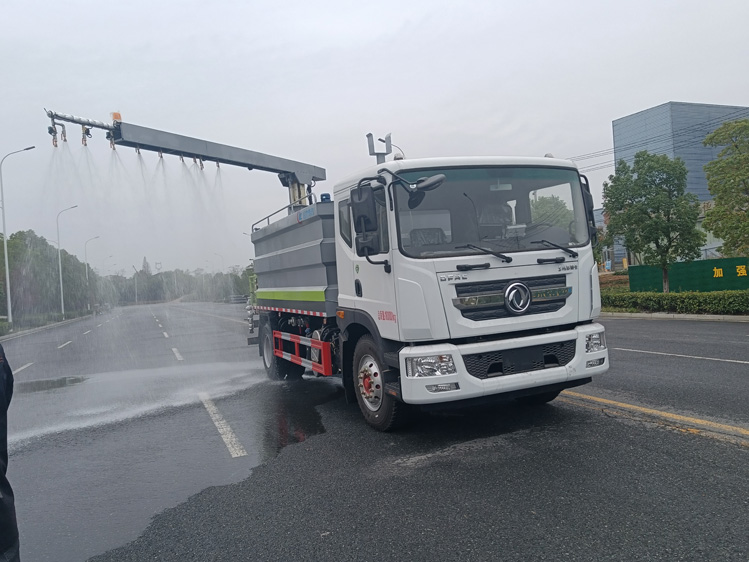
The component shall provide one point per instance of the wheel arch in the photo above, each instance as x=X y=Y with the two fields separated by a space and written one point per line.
x=354 y=325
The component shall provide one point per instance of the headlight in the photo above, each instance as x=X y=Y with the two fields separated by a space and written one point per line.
x=430 y=366
x=595 y=342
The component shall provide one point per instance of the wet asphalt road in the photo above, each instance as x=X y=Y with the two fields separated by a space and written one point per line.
x=118 y=451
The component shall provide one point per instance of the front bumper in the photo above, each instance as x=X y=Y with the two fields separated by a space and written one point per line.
x=414 y=390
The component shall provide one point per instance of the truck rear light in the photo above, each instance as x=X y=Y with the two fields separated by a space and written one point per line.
x=430 y=366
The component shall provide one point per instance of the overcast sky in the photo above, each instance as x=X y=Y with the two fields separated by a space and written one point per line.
x=307 y=81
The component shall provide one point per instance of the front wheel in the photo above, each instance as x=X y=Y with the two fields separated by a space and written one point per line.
x=382 y=411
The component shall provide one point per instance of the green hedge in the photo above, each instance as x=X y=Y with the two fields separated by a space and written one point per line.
x=715 y=302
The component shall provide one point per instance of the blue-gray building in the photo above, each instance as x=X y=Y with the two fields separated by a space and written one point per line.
x=676 y=129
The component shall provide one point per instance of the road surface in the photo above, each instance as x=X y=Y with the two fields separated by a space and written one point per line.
x=152 y=433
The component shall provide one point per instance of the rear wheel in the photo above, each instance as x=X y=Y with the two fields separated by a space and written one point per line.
x=382 y=411
x=276 y=368
x=539 y=399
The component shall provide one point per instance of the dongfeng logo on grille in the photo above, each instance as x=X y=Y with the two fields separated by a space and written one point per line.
x=517 y=298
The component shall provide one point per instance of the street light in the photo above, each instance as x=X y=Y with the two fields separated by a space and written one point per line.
x=85 y=258
x=59 y=259
x=5 y=238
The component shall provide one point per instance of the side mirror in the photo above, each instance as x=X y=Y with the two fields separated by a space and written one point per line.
x=364 y=201
x=363 y=207
x=589 y=204
x=367 y=244
x=430 y=183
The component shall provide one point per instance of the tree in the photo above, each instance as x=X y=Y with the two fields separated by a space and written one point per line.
x=648 y=207
x=552 y=210
x=146 y=267
x=728 y=182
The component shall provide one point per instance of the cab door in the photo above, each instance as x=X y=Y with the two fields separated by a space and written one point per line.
x=374 y=282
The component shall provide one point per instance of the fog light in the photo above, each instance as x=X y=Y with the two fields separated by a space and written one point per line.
x=595 y=362
x=430 y=365
x=443 y=387
x=595 y=342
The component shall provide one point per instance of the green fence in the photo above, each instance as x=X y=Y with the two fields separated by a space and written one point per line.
x=727 y=274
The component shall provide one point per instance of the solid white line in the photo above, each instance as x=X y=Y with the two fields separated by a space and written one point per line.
x=86 y=332
x=232 y=443
x=22 y=368
x=177 y=354
x=166 y=335
x=679 y=355
x=63 y=345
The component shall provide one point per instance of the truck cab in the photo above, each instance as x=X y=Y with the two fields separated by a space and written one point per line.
x=483 y=284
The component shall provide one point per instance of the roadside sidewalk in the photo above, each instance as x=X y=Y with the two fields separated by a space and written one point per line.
x=672 y=316
x=20 y=333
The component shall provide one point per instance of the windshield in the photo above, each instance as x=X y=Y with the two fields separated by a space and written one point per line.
x=505 y=209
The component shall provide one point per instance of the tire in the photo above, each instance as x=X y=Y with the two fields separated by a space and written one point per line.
x=539 y=399
x=276 y=368
x=380 y=410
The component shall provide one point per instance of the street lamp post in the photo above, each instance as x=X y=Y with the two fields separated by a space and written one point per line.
x=59 y=259
x=5 y=238
x=85 y=258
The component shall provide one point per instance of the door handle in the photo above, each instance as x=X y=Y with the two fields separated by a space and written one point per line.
x=357 y=288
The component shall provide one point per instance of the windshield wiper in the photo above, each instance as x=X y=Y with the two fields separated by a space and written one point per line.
x=567 y=250
x=503 y=257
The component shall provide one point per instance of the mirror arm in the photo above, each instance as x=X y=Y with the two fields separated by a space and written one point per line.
x=385 y=263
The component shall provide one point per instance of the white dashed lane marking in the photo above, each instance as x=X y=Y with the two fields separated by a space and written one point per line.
x=63 y=345
x=22 y=368
x=230 y=439
x=177 y=354
x=86 y=332
x=166 y=335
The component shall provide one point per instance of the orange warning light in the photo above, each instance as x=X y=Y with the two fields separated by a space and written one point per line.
x=116 y=116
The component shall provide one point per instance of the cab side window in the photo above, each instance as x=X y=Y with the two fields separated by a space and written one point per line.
x=344 y=221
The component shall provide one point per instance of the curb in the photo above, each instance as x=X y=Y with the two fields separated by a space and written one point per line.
x=15 y=335
x=672 y=316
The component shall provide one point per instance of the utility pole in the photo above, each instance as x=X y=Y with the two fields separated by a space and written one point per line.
x=5 y=237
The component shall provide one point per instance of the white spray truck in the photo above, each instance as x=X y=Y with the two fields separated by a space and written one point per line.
x=434 y=281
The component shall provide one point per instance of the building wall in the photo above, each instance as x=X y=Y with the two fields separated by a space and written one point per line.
x=676 y=129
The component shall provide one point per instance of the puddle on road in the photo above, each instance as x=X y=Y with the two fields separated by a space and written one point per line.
x=287 y=411
x=46 y=384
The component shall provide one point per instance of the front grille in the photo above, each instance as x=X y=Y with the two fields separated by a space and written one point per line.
x=521 y=360
x=483 y=287
x=495 y=310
